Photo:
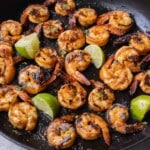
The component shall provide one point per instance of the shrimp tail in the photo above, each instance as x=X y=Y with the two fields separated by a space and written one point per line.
x=135 y=127
x=106 y=136
x=72 y=21
x=145 y=62
x=82 y=78
x=122 y=40
x=49 y=2
x=133 y=87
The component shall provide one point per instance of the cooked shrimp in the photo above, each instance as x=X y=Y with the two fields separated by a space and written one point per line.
x=33 y=80
x=117 y=117
x=143 y=79
x=76 y=61
x=46 y=58
x=7 y=67
x=91 y=126
x=129 y=56
x=72 y=95
x=22 y=115
x=101 y=97
x=65 y=7
x=52 y=29
x=9 y=95
x=116 y=75
x=141 y=42
x=117 y=22
x=35 y=13
x=97 y=35
x=6 y=45
x=71 y=39
x=61 y=134
x=85 y=17
x=10 y=31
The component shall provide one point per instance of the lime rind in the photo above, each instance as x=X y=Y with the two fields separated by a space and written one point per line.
x=97 y=55
x=140 y=105
x=28 y=45
x=46 y=103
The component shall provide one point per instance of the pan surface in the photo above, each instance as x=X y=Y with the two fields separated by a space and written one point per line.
x=140 y=10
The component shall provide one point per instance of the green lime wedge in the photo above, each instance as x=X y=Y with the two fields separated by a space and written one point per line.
x=28 y=45
x=46 y=103
x=140 y=105
x=97 y=55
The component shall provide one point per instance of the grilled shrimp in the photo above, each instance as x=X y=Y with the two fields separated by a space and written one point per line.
x=52 y=29
x=9 y=95
x=101 y=97
x=7 y=67
x=71 y=39
x=10 y=31
x=97 y=35
x=116 y=75
x=117 y=22
x=117 y=116
x=91 y=126
x=141 y=42
x=61 y=134
x=32 y=78
x=130 y=57
x=22 y=115
x=76 y=61
x=143 y=79
x=85 y=17
x=71 y=95
x=46 y=58
x=65 y=7
x=35 y=13
x=6 y=45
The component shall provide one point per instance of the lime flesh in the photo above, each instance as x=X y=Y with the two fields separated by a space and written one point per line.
x=28 y=45
x=46 y=103
x=140 y=105
x=97 y=55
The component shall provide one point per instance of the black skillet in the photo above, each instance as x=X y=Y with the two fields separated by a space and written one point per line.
x=140 y=10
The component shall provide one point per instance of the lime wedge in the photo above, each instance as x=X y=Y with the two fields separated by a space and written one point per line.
x=140 y=105
x=97 y=55
x=46 y=103
x=28 y=45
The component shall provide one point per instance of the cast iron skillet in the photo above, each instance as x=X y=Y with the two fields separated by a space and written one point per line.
x=140 y=10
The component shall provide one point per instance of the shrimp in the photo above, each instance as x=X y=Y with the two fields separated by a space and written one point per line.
x=7 y=67
x=10 y=31
x=33 y=80
x=141 y=42
x=76 y=61
x=35 y=13
x=72 y=95
x=23 y=115
x=52 y=29
x=85 y=17
x=46 y=58
x=116 y=75
x=143 y=79
x=117 y=115
x=6 y=45
x=9 y=95
x=117 y=22
x=97 y=35
x=71 y=39
x=65 y=7
x=61 y=134
x=130 y=57
x=101 y=97
x=91 y=126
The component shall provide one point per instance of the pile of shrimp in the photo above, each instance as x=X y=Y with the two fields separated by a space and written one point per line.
x=121 y=71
